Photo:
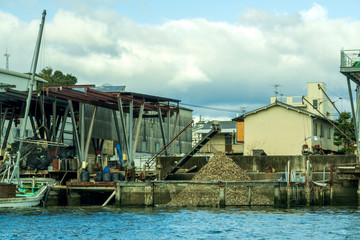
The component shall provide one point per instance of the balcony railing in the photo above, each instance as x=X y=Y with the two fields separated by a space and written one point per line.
x=350 y=58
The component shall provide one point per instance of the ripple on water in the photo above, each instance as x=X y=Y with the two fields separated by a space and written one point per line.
x=175 y=223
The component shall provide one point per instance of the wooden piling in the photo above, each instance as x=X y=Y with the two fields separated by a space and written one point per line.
x=222 y=195
x=249 y=195
x=288 y=186
x=307 y=185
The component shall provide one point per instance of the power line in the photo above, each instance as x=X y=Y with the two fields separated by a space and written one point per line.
x=211 y=108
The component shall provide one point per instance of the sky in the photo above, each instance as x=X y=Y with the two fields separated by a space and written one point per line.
x=220 y=58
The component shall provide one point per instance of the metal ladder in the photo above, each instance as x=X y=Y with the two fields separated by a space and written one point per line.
x=216 y=128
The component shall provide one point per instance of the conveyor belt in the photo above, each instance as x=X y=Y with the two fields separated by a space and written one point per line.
x=215 y=129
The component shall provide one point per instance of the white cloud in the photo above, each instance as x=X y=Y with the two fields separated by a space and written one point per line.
x=317 y=12
x=194 y=60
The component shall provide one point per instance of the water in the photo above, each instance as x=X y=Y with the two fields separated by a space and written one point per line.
x=165 y=223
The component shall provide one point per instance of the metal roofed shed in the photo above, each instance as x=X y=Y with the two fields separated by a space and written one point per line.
x=94 y=114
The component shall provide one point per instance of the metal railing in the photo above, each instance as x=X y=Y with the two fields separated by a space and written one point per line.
x=349 y=57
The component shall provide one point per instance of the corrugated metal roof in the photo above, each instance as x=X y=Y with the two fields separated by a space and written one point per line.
x=226 y=127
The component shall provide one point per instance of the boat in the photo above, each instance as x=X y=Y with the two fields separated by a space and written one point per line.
x=30 y=193
x=24 y=192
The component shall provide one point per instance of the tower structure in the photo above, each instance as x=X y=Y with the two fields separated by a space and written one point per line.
x=350 y=67
x=7 y=56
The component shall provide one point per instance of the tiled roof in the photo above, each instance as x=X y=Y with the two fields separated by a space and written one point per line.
x=281 y=104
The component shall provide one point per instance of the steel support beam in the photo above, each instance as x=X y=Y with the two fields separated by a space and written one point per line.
x=87 y=145
x=117 y=127
x=168 y=129
x=122 y=118
x=76 y=135
x=44 y=120
x=32 y=123
x=357 y=124
x=8 y=129
x=82 y=130
x=63 y=124
x=53 y=137
x=162 y=128
x=1 y=129
x=138 y=124
x=131 y=117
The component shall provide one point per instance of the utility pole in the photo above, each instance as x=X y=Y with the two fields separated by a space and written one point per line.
x=7 y=55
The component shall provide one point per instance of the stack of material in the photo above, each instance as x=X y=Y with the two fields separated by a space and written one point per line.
x=220 y=168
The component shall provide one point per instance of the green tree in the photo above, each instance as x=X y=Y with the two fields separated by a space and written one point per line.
x=346 y=124
x=56 y=77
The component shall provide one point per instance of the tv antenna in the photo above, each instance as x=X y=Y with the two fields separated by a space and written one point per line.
x=7 y=55
x=276 y=90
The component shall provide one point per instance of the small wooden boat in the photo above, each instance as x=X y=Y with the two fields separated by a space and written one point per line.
x=29 y=194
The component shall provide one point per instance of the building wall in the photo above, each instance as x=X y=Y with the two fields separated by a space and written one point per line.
x=277 y=131
x=20 y=80
x=315 y=96
x=218 y=144
x=150 y=137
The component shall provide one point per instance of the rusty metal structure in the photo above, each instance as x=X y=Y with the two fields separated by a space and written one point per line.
x=51 y=106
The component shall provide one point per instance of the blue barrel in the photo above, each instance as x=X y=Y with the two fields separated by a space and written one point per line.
x=106 y=177
x=85 y=176
x=115 y=176
x=98 y=177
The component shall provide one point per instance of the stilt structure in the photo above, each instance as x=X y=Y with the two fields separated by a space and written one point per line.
x=350 y=67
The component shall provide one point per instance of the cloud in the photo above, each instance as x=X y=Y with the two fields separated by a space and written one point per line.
x=195 y=60
x=317 y=12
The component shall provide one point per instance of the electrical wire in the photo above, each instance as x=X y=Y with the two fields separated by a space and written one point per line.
x=211 y=108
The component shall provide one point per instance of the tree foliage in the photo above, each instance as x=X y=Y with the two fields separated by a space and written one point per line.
x=346 y=124
x=56 y=77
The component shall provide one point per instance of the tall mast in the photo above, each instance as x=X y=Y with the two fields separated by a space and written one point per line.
x=7 y=55
x=16 y=171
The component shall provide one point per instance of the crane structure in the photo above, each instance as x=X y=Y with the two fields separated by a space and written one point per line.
x=350 y=67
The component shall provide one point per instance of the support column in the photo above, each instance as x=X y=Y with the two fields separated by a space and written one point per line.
x=288 y=186
x=61 y=134
x=1 y=129
x=138 y=124
x=82 y=130
x=87 y=145
x=307 y=185
x=249 y=195
x=162 y=128
x=7 y=133
x=122 y=119
x=77 y=142
x=131 y=141
x=53 y=137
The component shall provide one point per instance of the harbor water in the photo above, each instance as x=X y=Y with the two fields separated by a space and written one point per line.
x=172 y=223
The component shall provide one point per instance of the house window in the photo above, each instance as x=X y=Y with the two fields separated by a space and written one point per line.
x=321 y=130
x=315 y=129
x=329 y=133
x=315 y=104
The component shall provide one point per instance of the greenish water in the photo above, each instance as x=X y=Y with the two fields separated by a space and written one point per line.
x=172 y=223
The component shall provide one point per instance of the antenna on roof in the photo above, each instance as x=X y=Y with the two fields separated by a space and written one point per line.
x=7 y=55
x=276 y=90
